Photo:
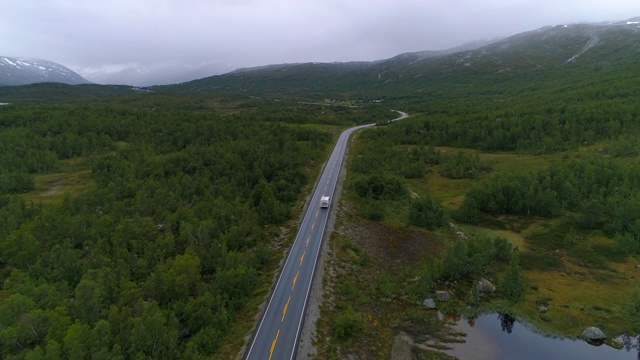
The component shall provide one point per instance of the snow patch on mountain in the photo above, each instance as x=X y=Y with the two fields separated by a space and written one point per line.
x=592 y=42
x=23 y=71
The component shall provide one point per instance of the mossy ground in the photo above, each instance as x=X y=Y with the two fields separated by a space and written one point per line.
x=582 y=284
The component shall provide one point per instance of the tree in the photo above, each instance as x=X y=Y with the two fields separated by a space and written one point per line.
x=634 y=304
x=427 y=213
x=78 y=341
x=512 y=285
x=154 y=334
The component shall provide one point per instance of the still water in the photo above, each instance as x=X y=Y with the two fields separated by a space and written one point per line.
x=500 y=337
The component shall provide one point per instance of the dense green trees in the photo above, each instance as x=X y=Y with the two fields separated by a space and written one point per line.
x=603 y=192
x=467 y=260
x=463 y=166
x=156 y=259
x=427 y=213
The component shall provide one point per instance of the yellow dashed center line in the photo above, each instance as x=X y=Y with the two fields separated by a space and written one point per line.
x=273 y=344
x=295 y=279
x=286 y=307
x=317 y=212
x=302 y=258
x=309 y=238
x=312 y=225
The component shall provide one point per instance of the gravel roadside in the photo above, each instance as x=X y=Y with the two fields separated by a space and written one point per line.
x=307 y=348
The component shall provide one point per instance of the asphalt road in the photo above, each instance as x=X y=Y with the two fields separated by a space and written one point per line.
x=278 y=332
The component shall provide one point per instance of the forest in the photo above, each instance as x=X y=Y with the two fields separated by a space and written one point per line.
x=155 y=259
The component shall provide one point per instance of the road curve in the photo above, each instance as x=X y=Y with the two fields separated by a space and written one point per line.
x=278 y=331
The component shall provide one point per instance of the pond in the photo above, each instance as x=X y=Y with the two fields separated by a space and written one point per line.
x=501 y=337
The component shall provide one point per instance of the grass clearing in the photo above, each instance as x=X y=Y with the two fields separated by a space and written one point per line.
x=580 y=297
x=450 y=192
x=52 y=188
x=514 y=238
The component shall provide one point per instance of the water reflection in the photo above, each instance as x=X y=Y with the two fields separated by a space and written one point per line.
x=506 y=322
x=500 y=336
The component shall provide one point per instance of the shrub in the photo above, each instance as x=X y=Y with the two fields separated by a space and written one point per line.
x=427 y=213
x=512 y=285
x=380 y=187
x=372 y=210
x=347 y=325
x=503 y=249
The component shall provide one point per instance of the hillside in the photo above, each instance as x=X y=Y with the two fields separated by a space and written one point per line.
x=563 y=49
x=23 y=71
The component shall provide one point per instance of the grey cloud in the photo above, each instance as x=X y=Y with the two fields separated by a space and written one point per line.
x=96 y=33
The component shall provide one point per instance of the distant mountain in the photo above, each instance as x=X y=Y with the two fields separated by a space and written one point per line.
x=551 y=48
x=303 y=76
x=163 y=75
x=23 y=71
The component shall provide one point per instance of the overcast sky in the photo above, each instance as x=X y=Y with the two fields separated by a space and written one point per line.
x=85 y=34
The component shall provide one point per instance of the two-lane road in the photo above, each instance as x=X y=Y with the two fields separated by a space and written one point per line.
x=278 y=331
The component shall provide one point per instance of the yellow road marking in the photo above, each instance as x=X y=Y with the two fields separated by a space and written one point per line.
x=309 y=238
x=317 y=212
x=295 y=279
x=286 y=307
x=273 y=344
x=302 y=258
x=312 y=225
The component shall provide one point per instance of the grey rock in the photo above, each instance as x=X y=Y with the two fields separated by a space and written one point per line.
x=485 y=286
x=593 y=333
x=443 y=295
x=429 y=303
x=638 y=267
x=542 y=309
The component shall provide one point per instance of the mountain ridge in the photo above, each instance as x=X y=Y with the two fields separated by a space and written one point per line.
x=546 y=47
x=549 y=47
x=24 y=71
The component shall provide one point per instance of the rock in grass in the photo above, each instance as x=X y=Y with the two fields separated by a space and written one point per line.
x=443 y=295
x=485 y=286
x=429 y=303
x=593 y=333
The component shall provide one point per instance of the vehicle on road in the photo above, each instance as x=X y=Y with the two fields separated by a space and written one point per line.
x=324 y=201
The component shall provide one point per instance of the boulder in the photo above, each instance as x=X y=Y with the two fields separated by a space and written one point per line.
x=593 y=333
x=429 y=303
x=638 y=267
x=542 y=309
x=485 y=286
x=443 y=295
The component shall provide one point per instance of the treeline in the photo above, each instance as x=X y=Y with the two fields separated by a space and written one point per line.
x=533 y=128
x=156 y=260
x=603 y=192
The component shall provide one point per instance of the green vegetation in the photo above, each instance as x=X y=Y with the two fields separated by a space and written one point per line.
x=572 y=215
x=544 y=162
x=148 y=224
x=427 y=214
x=141 y=226
x=512 y=284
